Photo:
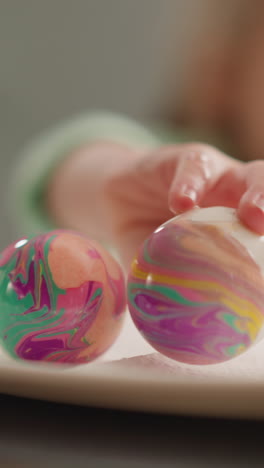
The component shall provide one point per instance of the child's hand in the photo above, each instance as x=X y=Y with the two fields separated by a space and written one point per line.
x=152 y=188
x=118 y=194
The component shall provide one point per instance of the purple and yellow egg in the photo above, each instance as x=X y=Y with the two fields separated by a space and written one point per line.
x=196 y=287
x=62 y=298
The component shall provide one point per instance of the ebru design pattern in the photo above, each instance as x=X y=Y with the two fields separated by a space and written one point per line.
x=195 y=293
x=62 y=298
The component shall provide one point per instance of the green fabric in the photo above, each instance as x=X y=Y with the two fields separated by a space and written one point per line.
x=36 y=163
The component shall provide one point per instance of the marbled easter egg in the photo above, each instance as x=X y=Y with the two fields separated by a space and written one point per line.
x=62 y=298
x=196 y=287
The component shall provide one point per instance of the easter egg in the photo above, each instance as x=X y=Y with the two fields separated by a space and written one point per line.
x=62 y=298
x=196 y=287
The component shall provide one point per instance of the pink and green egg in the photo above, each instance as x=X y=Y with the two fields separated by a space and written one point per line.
x=196 y=287
x=62 y=298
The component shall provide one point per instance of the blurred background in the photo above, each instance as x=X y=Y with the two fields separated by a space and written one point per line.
x=62 y=57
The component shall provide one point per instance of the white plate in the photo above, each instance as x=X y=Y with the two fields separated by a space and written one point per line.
x=132 y=376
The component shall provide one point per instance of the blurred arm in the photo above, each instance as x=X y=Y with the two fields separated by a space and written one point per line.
x=31 y=203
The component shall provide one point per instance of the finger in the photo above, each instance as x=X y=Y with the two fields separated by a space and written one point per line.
x=251 y=206
x=199 y=168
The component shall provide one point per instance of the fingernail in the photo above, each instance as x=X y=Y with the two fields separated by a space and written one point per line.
x=258 y=201
x=188 y=192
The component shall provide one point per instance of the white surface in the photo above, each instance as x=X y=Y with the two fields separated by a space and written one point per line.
x=132 y=376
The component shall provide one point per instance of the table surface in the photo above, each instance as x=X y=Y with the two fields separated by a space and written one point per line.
x=35 y=433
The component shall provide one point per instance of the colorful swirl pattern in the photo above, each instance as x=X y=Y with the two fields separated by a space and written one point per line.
x=62 y=298
x=195 y=293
